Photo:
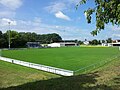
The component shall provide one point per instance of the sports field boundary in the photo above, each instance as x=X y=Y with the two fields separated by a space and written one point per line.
x=59 y=71
x=95 y=65
x=55 y=70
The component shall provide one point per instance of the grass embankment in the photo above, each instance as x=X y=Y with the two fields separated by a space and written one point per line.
x=70 y=58
x=13 y=75
x=104 y=78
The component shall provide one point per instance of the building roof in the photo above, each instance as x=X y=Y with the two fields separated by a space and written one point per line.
x=33 y=42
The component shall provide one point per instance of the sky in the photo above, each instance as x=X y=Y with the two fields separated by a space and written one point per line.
x=52 y=16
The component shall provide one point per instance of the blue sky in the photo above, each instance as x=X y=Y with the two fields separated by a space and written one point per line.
x=52 y=16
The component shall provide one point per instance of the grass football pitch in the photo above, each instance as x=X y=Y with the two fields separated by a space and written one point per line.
x=70 y=58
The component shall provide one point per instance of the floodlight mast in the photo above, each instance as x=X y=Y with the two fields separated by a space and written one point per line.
x=9 y=35
x=0 y=52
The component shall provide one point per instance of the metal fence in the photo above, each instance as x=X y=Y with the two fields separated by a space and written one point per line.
x=39 y=66
x=58 y=70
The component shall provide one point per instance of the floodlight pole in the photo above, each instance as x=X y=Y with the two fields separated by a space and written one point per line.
x=0 y=52
x=64 y=39
x=9 y=35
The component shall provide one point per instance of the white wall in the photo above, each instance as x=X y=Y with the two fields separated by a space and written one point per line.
x=40 y=67
x=54 y=45
x=86 y=42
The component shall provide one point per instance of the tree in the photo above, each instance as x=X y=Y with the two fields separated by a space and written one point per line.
x=99 y=42
x=19 y=39
x=94 y=42
x=103 y=41
x=0 y=34
x=55 y=37
x=49 y=38
x=80 y=42
x=3 y=40
x=109 y=40
x=106 y=11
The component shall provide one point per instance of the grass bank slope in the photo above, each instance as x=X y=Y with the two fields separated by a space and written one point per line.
x=14 y=75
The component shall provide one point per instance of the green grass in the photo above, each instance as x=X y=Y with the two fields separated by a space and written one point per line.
x=106 y=77
x=14 y=75
x=70 y=58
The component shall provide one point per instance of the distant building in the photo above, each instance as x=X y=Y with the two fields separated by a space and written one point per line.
x=104 y=44
x=114 y=43
x=86 y=42
x=33 y=45
x=62 y=44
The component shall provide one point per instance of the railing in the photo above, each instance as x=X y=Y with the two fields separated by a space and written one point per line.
x=58 y=70
x=39 y=66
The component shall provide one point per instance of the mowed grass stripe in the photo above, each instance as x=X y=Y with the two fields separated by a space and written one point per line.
x=70 y=58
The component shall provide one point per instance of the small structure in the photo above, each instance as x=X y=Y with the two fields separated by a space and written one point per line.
x=33 y=44
x=114 y=43
x=54 y=45
x=104 y=44
x=86 y=42
x=62 y=44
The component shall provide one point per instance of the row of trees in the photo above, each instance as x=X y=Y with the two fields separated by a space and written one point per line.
x=98 y=42
x=19 y=39
x=94 y=42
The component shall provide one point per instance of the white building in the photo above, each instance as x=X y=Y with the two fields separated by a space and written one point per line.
x=86 y=42
x=104 y=44
x=62 y=44
x=114 y=43
x=54 y=45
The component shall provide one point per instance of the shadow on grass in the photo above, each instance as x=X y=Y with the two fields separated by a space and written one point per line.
x=80 y=82
x=117 y=80
x=117 y=83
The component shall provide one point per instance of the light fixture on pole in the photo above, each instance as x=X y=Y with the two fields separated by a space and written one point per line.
x=9 y=35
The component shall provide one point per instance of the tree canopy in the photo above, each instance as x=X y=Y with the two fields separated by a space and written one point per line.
x=19 y=39
x=106 y=11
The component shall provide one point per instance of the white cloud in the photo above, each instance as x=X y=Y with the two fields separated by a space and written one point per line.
x=8 y=8
x=55 y=7
x=66 y=32
x=116 y=35
x=24 y=23
x=61 y=5
x=113 y=28
x=4 y=22
x=7 y=14
x=62 y=16
x=73 y=1
x=11 y=4
x=35 y=22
